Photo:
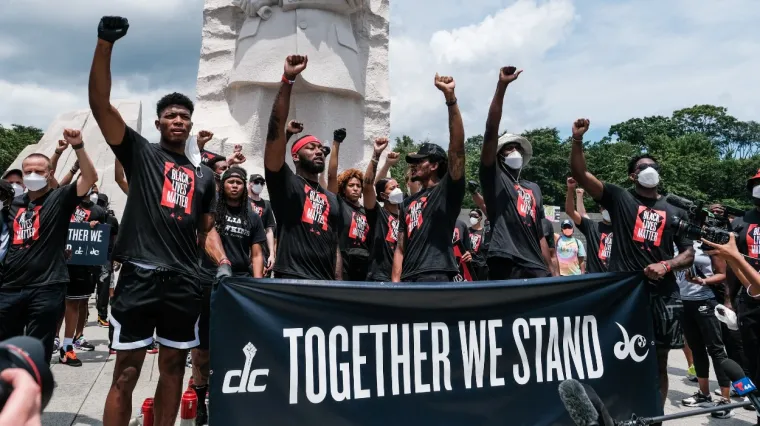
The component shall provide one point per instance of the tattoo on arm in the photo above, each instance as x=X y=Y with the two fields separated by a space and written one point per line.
x=273 y=131
x=683 y=260
x=369 y=176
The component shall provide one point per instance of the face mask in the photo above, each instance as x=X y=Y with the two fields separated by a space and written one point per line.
x=606 y=216
x=474 y=221
x=649 y=178
x=35 y=182
x=2 y=205
x=94 y=198
x=567 y=232
x=17 y=189
x=396 y=196
x=514 y=160
x=756 y=191
x=256 y=188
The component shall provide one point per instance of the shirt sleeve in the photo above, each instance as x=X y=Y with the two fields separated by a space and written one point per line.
x=281 y=191
x=209 y=193
x=69 y=198
x=584 y=225
x=581 y=249
x=548 y=232
x=132 y=144
x=454 y=192
x=268 y=219
x=610 y=193
x=258 y=235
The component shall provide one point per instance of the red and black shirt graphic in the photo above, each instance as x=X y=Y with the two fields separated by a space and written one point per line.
x=460 y=241
x=649 y=226
x=316 y=209
x=259 y=210
x=26 y=226
x=753 y=241
x=526 y=204
x=475 y=240
x=605 y=246
x=81 y=214
x=415 y=215
x=391 y=237
x=178 y=190
x=357 y=231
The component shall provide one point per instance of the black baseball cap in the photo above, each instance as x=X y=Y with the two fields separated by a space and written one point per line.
x=427 y=150
x=567 y=223
x=257 y=177
x=102 y=199
x=13 y=172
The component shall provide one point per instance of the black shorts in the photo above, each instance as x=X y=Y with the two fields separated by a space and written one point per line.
x=667 y=314
x=148 y=300
x=82 y=281
x=203 y=323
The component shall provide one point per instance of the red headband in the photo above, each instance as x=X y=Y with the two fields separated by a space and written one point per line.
x=302 y=142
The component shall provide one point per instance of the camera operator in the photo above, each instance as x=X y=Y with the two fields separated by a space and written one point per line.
x=644 y=241
x=24 y=406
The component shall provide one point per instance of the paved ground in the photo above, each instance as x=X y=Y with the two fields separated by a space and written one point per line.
x=81 y=403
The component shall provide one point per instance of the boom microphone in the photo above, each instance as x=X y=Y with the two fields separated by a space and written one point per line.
x=741 y=383
x=604 y=416
x=577 y=403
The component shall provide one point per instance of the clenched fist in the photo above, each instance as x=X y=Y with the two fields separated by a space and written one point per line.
x=112 y=28
x=72 y=136
x=580 y=127
x=508 y=74
x=380 y=145
x=339 y=135
x=392 y=158
x=237 y=148
x=294 y=127
x=62 y=145
x=445 y=84
x=294 y=65
x=204 y=136
x=571 y=183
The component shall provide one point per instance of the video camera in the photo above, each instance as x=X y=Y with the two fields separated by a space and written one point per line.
x=701 y=222
x=27 y=354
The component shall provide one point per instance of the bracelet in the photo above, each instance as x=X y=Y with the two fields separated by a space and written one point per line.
x=577 y=140
x=77 y=147
x=665 y=264
x=287 y=80
x=225 y=261
x=452 y=102
x=375 y=161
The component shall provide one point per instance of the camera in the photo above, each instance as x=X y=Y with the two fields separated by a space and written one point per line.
x=27 y=354
x=701 y=222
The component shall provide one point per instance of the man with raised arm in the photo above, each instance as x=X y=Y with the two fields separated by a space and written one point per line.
x=424 y=252
x=513 y=205
x=168 y=219
x=309 y=218
x=641 y=221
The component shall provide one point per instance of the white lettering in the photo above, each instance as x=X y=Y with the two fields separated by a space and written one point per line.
x=293 y=334
x=589 y=326
x=553 y=357
x=419 y=356
x=473 y=354
x=521 y=324
x=378 y=330
x=538 y=324
x=572 y=348
x=402 y=358
x=344 y=367
x=312 y=334
x=358 y=361
x=440 y=356
x=494 y=351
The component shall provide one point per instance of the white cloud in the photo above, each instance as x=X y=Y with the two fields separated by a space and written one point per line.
x=63 y=12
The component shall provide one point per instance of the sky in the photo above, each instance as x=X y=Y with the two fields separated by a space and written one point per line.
x=606 y=60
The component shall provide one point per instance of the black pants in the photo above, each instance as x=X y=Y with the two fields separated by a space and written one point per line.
x=702 y=331
x=500 y=268
x=36 y=309
x=104 y=285
x=429 y=277
x=355 y=266
x=480 y=273
x=749 y=326
x=732 y=340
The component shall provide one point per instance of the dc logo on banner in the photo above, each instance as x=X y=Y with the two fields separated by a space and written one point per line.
x=247 y=377
x=628 y=346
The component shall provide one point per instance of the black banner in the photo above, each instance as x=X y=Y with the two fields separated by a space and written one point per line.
x=483 y=353
x=89 y=246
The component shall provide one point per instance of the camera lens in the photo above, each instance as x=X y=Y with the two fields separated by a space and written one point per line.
x=27 y=354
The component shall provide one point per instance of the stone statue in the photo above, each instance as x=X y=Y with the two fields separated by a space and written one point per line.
x=345 y=85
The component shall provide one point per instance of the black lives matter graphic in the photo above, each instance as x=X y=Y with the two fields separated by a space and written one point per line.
x=650 y=225
x=359 y=228
x=526 y=204
x=455 y=237
x=80 y=215
x=475 y=240
x=392 y=236
x=316 y=209
x=753 y=241
x=233 y=226
x=415 y=215
x=259 y=210
x=26 y=226
x=605 y=247
x=178 y=190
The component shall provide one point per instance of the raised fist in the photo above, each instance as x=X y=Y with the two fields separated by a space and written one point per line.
x=392 y=158
x=112 y=28
x=380 y=145
x=580 y=127
x=571 y=183
x=444 y=83
x=237 y=157
x=72 y=136
x=294 y=65
x=237 y=148
x=508 y=74
x=339 y=135
x=62 y=145
x=204 y=136
x=294 y=127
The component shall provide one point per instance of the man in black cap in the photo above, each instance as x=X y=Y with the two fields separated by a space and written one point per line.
x=263 y=208
x=16 y=178
x=424 y=252
x=514 y=206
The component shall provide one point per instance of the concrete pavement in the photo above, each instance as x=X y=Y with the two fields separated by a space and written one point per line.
x=81 y=401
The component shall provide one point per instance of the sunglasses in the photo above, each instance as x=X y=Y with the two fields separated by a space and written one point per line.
x=641 y=167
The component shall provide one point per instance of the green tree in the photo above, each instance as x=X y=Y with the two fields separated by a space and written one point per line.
x=13 y=140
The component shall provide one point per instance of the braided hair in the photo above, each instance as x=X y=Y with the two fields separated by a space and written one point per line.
x=221 y=200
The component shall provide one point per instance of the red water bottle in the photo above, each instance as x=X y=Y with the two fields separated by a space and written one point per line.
x=147 y=412
x=188 y=408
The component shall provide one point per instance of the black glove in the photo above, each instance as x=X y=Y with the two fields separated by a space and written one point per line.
x=339 y=135
x=224 y=270
x=472 y=186
x=112 y=28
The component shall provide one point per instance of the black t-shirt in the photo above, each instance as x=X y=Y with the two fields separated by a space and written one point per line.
x=355 y=238
x=263 y=208
x=111 y=220
x=479 y=241
x=238 y=235
x=516 y=213
x=747 y=231
x=207 y=156
x=39 y=231
x=644 y=234
x=548 y=230
x=384 y=236
x=598 y=244
x=429 y=219
x=165 y=209
x=309 y=221
x=460 y=242
x=88 y=212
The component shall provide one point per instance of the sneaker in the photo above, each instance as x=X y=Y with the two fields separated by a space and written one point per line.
x=697 y=400
x=732 y=393
x=69 y=357
x=201 y=416
x=725 y=413
x=750 y=407
x=83 y=345
x=691 y=374
x=56 y=345
x=153 y=348
x=103 y=323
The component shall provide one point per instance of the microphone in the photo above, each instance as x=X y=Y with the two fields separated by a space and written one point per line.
x=741 y=383
x=577 y=403
x=604 y=416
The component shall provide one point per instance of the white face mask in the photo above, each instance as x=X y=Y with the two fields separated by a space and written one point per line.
x=606 y=216
x=396 y=196
x=256 y=188
x=756 y=191
x=94 y=198
x=474 y=221
x=17 y=189
x=35 y=182
x=514 y=160
x=649 y=178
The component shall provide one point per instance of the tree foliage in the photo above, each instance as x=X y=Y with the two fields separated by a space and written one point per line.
x=704 y=153
x=13 y=140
